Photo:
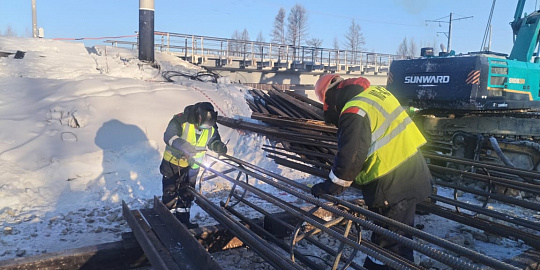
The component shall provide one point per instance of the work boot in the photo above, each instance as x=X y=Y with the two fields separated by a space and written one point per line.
x=184 y=218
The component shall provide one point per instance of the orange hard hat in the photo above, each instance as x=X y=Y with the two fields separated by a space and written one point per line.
x=321 y=86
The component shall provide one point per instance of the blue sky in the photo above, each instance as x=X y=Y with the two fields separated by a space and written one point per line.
x=384 y=23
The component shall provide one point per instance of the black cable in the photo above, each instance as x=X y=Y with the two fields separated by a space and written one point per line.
x=202 y=76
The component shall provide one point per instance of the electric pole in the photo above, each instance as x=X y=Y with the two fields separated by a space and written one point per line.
x=146 y=30
x=449 y=33
x=34 y=20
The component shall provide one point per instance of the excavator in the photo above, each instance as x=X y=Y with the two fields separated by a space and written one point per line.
x=480 y=105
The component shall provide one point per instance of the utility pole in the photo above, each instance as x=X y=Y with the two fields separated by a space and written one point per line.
x=146 y=30
x=34 y=20
x=449 y=33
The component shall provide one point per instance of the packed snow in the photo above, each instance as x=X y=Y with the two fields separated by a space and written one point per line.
x=82 y=131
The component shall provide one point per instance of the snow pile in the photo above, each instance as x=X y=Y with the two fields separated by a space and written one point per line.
x=82 y=130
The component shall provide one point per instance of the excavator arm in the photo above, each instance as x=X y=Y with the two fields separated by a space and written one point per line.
x=526 y=31
x=517 y=17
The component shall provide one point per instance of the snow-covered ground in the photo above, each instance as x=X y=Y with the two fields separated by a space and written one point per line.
x=81 y=130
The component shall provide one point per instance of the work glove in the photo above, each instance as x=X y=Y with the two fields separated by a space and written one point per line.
x=220 y=148
x=188 y=149
x=327 y=187
x=191 y=161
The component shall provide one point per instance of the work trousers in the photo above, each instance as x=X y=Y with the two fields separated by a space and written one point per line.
x=175 y=182
x=404 y=212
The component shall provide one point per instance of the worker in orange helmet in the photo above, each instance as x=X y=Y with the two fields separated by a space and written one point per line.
x=377 y=150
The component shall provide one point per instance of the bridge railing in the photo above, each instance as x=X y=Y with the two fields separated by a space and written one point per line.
x=205 y=50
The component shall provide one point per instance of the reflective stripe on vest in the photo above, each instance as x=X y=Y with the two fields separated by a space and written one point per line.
x=394 y=138
x=189 y=134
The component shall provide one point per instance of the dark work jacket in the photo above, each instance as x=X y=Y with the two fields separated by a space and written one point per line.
x=411 y=180
x=174 y=128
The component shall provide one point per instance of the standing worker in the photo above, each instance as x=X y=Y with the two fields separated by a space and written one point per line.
x=378 y=150
x=187 y=136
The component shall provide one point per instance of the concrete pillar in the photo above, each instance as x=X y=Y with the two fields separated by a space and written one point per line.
x=146 y=30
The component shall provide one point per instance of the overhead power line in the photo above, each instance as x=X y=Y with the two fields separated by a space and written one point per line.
x=449 y=22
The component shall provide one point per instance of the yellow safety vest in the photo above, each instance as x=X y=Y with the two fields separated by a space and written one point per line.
x=394 y=136
x=189 y=134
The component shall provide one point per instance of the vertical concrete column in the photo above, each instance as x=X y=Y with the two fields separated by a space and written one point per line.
x=146 y=30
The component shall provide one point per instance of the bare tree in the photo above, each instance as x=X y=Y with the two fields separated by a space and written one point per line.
x=403 y=49
x=278 y=33
x=235 y=45
x=245 y=47
x=260 y=41
x=354 y=40
x=245 y=35
x=297 y=26
x=336 y=43
x=316 y=44
x=9 y=32
x=435 y=48
x=413 y=48
x=407 y=49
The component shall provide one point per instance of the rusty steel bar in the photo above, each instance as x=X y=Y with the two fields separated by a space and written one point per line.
x=531 y=188
x=276 y=132
x=483 y=224
x=297 y=122
x=486 y=194
x=310 y=220
x=250 y=238
x=457 y=263
x=491 y=213
x=319 y=244
x=490 y=166
x=267 y=235
x=421 y=248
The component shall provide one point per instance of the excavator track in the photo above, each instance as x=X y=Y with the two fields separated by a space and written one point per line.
x=509 y=137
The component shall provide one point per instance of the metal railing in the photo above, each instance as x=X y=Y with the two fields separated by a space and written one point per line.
x=244 y=53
